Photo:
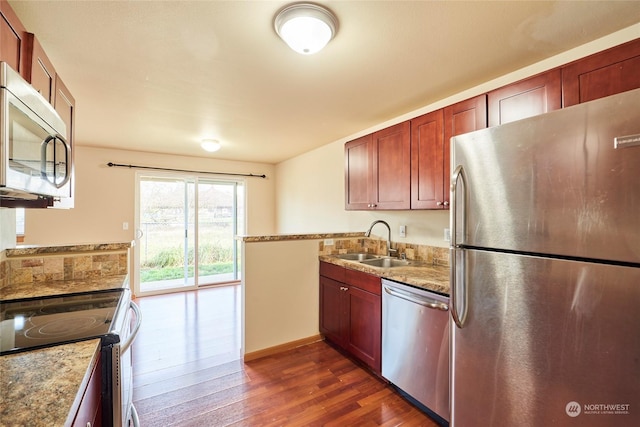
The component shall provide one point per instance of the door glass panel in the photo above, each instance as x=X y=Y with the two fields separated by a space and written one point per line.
x=25 y=143
x=167 y=242
x=216 y=232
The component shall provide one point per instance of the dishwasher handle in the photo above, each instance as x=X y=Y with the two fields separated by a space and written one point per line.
x=417 y=299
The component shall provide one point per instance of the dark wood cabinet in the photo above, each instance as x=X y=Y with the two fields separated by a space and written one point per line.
x=39 y=70
x=358 y=170
x=90 y=410
x=526 y=98
x=378 y=170
x=428 y=179
x=351 y=312
x=605 y=73
x=392 y=167
x=332 y=310
x=12 y=38
x=461 y=117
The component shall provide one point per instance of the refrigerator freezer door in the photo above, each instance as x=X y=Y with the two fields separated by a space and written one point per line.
x=556 y=183
x=546 y=342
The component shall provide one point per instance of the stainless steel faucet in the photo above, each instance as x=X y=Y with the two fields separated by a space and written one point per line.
x=390 y=251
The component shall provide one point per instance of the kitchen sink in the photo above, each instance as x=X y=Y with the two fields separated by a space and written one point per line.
x=358 y=257
x=385 y=262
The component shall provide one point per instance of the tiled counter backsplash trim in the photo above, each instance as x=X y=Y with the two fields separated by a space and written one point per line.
x=70 y=266
x=431 y=254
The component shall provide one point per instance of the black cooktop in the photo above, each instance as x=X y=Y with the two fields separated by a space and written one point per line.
x=30 y=323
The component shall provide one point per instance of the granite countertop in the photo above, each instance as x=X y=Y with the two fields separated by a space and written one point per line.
x=41 y=387
x=85 y=247
x=58 y=287
x=283 y=237
x=418 y=273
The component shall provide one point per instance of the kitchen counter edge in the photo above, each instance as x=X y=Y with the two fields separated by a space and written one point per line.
x=284 y=237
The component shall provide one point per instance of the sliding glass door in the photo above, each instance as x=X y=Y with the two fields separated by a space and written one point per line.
x=186 y=232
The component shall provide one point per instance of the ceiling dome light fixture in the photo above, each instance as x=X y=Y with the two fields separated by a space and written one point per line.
x=306 y=27
x=210 y=145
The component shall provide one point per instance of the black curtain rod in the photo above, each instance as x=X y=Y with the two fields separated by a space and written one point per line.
x=111 y=165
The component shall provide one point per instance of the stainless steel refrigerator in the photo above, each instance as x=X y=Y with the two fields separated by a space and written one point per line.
x=545 y=283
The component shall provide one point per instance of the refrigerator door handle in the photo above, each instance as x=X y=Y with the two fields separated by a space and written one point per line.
x=458 y=203
x=458 y=311
x=459 y=295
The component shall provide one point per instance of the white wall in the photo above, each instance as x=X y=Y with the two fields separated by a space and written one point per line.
x=105 y=197
x=310 y=187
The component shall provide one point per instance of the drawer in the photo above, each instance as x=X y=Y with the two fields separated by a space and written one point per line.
x=332 y=271
x=364 y=281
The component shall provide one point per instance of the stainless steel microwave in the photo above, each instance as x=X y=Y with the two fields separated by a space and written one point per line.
x=35 y=157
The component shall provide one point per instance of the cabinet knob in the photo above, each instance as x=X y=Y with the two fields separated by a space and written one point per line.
x=438 y=203
x=446 y=203
x=371 y=205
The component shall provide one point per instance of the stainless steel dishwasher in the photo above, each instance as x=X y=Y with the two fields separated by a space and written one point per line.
x=415 y=344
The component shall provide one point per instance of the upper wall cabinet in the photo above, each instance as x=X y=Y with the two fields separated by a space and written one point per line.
x=427 y=161
x=358 y=157
x=536 y=95
x=377 y=165
x=39 y=70
x=462 y=117
x=605 y=73
x=377 y=170
x=12 y=38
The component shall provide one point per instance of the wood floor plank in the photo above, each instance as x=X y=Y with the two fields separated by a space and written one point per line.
x=188 y=372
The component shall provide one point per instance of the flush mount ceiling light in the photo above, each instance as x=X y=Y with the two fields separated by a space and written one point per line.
x=306 y=27
x=210 y=145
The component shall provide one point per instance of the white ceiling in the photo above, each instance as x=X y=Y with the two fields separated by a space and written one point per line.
x=161 y=75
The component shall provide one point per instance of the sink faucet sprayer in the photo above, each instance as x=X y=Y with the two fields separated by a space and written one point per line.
x=368 y=234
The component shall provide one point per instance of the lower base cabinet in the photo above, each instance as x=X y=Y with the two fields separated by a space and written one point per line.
x=351 y=312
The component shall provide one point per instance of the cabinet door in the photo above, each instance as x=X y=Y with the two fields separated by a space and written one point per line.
x=364 y=327
x=358 y=173
x=536 y=95
x=392 y=167
x=12 y=38
x=332 y=310
x=465 y=116
x=605 y=73
x=39 y=70
x=428 y=184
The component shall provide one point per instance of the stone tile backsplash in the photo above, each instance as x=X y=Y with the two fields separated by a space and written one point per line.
x=66 y=267
x=78 y=262
x=430 y=254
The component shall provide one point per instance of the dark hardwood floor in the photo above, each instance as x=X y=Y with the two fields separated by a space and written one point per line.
x=188 y=372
